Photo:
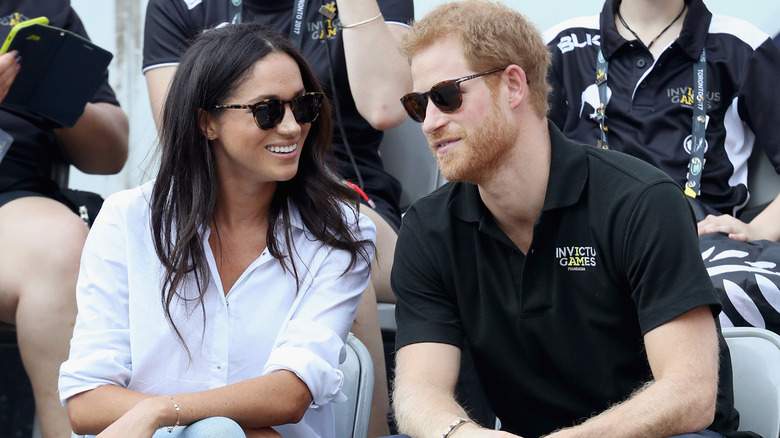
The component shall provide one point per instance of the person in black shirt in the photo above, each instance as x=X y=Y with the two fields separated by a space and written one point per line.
x=587 y=307
x=41 y=227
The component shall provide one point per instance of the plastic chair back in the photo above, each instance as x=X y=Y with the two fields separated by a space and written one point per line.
x=755 y=360
x=352 y=416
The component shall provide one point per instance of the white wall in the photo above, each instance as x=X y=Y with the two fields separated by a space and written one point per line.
x=117 y=25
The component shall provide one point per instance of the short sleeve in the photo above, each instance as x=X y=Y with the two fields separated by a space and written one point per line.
x=425 y=310
x=663 y=261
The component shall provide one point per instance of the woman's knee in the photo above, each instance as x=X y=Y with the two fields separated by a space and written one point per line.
x=208 y=427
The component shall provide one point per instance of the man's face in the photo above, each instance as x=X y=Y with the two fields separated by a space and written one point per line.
x=471 y=142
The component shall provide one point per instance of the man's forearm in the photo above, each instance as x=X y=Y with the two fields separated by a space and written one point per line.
x=658 y=409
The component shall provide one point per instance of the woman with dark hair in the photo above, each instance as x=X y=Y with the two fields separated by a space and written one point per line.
x=238 y=301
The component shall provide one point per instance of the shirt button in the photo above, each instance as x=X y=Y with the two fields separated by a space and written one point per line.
x=643 y=84
x=641 y=63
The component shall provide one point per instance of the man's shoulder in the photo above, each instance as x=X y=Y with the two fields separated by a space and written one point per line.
x=623 y=169
x=435 y=204
x=575 y=33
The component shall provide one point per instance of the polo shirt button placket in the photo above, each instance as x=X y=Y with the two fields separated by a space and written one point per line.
x=641 y=63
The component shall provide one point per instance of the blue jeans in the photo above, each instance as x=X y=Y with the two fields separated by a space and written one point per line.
x=209 y=427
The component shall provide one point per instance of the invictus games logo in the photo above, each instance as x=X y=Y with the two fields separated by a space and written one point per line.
x=328 y=26
x=685 y=97
x=576 y=258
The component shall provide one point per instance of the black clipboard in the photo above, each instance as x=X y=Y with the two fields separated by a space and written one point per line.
x=60 y=72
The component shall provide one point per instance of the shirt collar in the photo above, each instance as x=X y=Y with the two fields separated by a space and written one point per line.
x=692 y=36
x=566 y=182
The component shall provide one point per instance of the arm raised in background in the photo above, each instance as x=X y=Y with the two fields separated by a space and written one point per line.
x=423 y=395
x=683 y=356
x=98 y=142
x=157 y=82
x=378 y=74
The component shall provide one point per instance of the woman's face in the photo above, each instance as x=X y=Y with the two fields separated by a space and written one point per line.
x=247 y=153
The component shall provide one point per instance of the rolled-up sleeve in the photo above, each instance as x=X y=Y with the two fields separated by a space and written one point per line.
x=312 y=343
x=100 y=347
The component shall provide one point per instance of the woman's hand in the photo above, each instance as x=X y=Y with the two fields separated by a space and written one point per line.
x=143 y=420
x=9 y=67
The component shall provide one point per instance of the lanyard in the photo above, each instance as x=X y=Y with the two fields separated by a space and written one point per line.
x=296 y=27
x=234 y=11
x=698 y=141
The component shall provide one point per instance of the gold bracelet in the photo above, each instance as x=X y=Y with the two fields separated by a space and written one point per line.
x=178 y=415
x=360 y=23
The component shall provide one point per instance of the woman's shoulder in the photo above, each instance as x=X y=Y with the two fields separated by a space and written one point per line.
x=130 y=201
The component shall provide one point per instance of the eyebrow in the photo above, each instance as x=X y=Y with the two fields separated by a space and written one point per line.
x=276 y=96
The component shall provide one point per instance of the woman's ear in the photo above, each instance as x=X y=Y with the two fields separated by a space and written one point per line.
x=206 y=124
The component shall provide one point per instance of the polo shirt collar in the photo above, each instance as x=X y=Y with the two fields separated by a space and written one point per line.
x=691 y=39
x=566 y=182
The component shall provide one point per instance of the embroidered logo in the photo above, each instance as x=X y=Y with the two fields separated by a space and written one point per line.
x=576 y=258
x=13 y=19
x=325 y=28
x=591 y=97
x=684 y=96
x=571 y=42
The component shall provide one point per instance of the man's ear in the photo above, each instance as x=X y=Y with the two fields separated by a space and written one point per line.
x=517 y=84
x=206 y=121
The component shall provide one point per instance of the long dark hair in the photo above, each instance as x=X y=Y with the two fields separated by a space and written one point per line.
x=185 y=193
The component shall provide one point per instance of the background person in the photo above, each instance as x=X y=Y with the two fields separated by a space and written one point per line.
x=41 y=231
x=651 y=48
x=238 y=300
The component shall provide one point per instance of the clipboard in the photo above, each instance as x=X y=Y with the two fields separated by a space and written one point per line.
x=60 y=71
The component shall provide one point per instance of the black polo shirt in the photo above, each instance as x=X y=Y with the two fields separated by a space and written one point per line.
x=649 y=112
x=557 y=333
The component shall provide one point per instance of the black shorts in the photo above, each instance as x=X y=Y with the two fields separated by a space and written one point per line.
x=384 y=209
x=84 y=204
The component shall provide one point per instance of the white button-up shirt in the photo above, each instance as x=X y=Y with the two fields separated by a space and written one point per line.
x=263 y=324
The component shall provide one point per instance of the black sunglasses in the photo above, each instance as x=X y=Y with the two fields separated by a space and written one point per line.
x=269 y=113
x=446 y=95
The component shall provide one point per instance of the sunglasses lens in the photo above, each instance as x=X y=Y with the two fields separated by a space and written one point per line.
x=306 y=108
x=268 y=114
x=446 y=96
x=415 y=105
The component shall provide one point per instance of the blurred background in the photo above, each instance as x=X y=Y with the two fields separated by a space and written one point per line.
x=117 y=26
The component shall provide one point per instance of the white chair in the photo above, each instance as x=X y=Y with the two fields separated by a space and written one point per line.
x=352 y=416
x=406 y=156
x=755 y=361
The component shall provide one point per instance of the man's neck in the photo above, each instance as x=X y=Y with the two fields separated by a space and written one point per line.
x=515 y=194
